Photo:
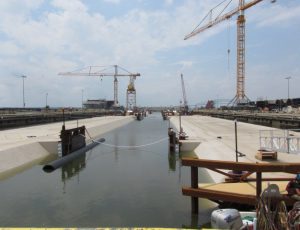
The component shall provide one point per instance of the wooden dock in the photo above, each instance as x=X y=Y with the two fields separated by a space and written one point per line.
x=244 y=190
x=241 y=192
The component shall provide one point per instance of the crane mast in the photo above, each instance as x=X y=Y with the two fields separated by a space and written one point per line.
x=131 y=95
x=116 y=100
x=240 y=97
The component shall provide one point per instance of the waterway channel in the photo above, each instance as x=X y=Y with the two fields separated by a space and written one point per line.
x=110 y=187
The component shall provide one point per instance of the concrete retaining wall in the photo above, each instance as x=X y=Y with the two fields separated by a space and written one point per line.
x=22 y=147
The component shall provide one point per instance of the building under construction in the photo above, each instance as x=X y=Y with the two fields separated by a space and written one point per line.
x=98 y=104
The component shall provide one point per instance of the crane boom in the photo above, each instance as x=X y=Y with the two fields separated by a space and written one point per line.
x=222 y=18
x=97 y=74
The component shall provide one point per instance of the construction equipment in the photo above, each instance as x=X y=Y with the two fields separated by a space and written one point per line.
x=240 y=97
x=185 y=108
x=131 y=95
x=99 y=71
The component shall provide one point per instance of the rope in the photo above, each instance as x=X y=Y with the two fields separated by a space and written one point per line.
x=88 y=134
x=125 y=146
x=135 y=146
x=293 y=216
x=271 y=213
x=223 y=8
x=228 y=48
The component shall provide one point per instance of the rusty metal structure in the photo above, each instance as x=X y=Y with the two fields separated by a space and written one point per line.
x=73 y=148
x=72 y=139
x=240 y=97
x=99 y=71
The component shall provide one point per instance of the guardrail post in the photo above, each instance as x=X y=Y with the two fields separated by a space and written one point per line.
x=194 y=183
x=288 y=141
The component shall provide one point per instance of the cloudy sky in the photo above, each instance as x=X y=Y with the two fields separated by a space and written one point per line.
x=40 y=38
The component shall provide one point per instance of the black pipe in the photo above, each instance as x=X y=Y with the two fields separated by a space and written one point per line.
x=66 y=159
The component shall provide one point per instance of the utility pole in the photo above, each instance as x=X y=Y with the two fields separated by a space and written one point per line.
x=23 y=77
x=82 y=99
x=288 y=78
x=180 y=109
x=46 y=100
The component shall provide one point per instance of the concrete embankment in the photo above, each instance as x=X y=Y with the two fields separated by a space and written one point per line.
x=276 y=120
x=217 y=140
x=13 y=118
x=22 y=147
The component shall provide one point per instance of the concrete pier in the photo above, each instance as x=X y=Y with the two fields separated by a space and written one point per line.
x=22 y=147
x=217 y=140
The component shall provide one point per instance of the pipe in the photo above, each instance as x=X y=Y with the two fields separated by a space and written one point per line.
x=66 y=159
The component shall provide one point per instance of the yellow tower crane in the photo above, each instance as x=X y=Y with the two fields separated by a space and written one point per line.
x=131 y=95
x=240 y=97
x=100 y=71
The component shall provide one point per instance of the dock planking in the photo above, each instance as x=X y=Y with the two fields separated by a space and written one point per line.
x=241 y=192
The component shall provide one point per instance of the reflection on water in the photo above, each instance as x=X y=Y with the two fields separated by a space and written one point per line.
x=175 y=157
x=22 y=168
x=172 y=161
x=73 y=168
x=111 y=186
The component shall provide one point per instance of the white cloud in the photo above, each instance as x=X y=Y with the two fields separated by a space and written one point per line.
x=9 y=48
x=68 y=37
x=19 y=7
x=112 y=1
x=169 y=2
x=70 y=6
x=279 y=16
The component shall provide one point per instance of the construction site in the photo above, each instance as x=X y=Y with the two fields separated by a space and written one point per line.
x=222 y=164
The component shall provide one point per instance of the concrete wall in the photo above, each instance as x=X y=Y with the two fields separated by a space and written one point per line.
x=22 y=147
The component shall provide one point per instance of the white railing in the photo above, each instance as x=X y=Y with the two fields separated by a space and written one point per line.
x=280 y=140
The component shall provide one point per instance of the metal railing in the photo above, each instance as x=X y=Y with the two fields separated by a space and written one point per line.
x=280 y=140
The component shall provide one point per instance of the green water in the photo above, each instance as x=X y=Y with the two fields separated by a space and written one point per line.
x=108 y=187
